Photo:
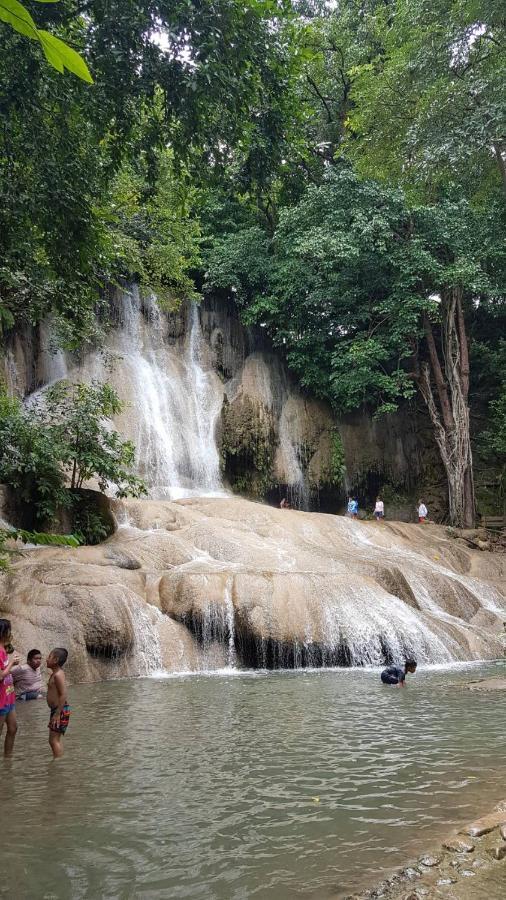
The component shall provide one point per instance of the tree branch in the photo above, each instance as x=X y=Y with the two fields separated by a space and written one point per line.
x=437 y=372
x=322 y=98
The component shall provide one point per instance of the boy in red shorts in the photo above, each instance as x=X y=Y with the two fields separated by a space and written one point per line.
x=57 y=700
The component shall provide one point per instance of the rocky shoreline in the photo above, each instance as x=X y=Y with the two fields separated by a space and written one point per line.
x=469 y=864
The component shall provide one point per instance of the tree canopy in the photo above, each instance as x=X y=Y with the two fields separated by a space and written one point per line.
x=337 y=170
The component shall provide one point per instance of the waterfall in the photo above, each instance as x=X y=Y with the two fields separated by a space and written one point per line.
x=230 y=624
x=215 y=630
x=173 y=401
x=146 y=647
x=297 y=484
x=171 y=395
x=53 y=364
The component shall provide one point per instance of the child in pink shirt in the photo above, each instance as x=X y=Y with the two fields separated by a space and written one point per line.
x=7 y=695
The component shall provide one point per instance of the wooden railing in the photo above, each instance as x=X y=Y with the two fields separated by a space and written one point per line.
x=493 y=523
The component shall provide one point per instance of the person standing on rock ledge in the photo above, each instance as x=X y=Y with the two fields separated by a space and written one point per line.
x=397 y=675
x=379 y=510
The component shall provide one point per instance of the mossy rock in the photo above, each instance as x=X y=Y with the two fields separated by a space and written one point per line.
x=247 y=442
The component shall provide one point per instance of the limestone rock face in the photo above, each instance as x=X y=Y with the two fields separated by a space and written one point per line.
x=204 y=583
x=272 y=438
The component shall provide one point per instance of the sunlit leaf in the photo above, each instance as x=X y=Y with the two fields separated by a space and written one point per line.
x=14 y=13
x=55 y=49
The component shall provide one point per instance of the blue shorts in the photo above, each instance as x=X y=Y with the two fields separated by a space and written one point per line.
x=389 y=679
x=5 y=710
x=29 y=695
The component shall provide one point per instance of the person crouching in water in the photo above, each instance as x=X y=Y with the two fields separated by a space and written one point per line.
x=8 y=660
x=27 y=678
x=397 y=675
x=57 y=700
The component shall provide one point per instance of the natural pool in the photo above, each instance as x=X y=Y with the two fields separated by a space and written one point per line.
x=278 y=785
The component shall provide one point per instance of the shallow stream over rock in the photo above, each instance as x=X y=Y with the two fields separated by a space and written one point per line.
x=266 y=785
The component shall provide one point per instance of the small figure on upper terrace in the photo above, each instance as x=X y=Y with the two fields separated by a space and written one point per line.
x=422 y=511
x=379 y=509
x=284 y=504
x=352 y=508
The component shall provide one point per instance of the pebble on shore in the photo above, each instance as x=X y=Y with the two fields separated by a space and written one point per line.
x=452 y=866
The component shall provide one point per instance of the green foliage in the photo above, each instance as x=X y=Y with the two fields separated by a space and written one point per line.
x=151 y=236
x=10 y=535
x=392 y=496
x=493 y=441
x=64 y=439
x=77 y=418
x=29 y=460
x=428 y=100
x=336 y=169
x=187 y=75
x=57 y=52
x=89 y=525
x=337 y=469
x=347 y=280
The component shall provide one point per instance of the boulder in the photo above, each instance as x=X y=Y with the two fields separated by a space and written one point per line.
x=458 y=845
x=485 y=824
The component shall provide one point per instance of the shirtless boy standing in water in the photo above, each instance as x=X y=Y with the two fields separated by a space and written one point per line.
x=57 y=700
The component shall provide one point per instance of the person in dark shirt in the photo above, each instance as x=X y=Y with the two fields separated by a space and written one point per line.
x=397 y=674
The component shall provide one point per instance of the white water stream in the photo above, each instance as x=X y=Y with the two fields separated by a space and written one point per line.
x=172 y=396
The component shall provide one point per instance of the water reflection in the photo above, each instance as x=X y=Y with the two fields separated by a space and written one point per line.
x=283 y=785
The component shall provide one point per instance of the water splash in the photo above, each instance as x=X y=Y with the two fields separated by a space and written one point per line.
x=147 y=646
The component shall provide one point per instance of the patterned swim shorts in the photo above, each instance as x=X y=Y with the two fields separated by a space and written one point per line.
x=62 y=725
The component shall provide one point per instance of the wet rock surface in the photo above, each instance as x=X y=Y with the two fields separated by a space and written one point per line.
x=488 y=684
x=210 y=578
x=458 y=845
x=486 y=823
x=430 y=861
x=478 y=872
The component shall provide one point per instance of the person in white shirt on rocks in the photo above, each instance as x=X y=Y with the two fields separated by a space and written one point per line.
x=379 y=509
x=422 y=511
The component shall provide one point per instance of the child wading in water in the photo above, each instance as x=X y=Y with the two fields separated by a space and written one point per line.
x=57 y=700
x=7 y=694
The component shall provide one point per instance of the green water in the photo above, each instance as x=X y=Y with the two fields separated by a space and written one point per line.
x=281 y=785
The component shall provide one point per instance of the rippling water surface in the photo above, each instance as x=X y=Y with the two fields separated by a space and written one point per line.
x=275 y=785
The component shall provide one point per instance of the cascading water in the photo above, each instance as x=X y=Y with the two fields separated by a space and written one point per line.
x=147 y=648
x=290 y=447
x=53 y=364
x=172 y=398
x=173 y=402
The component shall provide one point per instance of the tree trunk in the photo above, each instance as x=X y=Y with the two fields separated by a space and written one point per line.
x=450 y=413
x=501 y=163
